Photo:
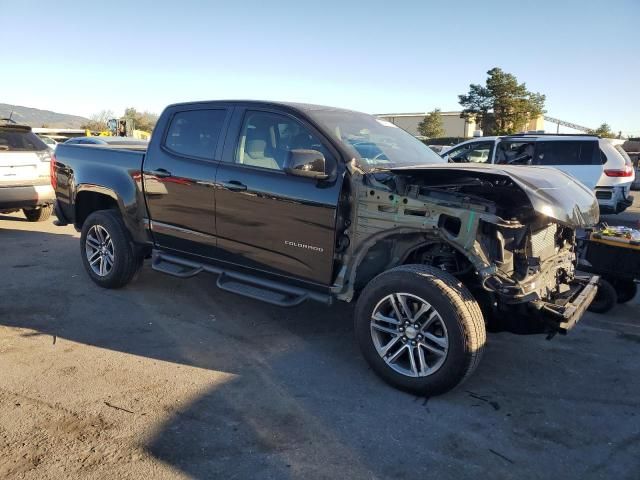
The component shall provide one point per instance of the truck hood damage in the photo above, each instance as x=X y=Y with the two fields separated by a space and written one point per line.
x=551 y=192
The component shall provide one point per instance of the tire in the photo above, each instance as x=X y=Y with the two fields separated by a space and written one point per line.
x=458 y=322
x=605 y=299
x=39 y=214
x=625 y=290
x=120 y=259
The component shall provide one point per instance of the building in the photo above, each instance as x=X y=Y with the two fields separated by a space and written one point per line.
x=453 y=125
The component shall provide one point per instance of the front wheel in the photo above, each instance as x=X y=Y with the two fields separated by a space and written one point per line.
x=605 y=299
x=420 y=329
x=108 y=254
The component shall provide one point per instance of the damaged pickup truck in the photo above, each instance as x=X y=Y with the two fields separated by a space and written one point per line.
x=288 y=202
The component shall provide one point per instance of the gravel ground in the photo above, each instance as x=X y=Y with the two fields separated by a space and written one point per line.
x=173 y=378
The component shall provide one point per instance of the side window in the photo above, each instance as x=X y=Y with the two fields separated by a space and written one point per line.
x=480 y=153
x=266 y=139
x=568 y=153
x=515 y=153
x=477 y=152
x=195 y=133
x=458 y=154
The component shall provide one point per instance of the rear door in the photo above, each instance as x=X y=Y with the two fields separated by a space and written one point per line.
x=579 y=158
x=267 y=219
x=179 y=173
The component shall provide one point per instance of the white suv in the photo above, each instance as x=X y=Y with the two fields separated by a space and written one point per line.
x=25 y=176
x=596 y=162
x=614 y=188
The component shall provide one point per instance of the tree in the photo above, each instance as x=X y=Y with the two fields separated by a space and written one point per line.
x=142 y=120
x=604 y=130
x=502 y=105
x=431 y=125
x=98 y=121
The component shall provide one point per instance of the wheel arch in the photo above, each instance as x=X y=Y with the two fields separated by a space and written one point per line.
x=90 y=198
x=380 y=257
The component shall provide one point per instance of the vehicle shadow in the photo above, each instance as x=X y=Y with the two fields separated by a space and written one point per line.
x=303 y=401
x=13 y=217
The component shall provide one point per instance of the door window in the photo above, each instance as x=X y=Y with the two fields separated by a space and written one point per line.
x=515 y=153
x=266 y=139
x=195 y=133
x=567 y=153
x=478 y=152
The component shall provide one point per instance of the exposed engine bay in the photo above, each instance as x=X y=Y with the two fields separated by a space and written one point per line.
x=480 y=225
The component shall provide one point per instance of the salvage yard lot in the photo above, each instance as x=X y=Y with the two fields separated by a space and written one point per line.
x=173 y=378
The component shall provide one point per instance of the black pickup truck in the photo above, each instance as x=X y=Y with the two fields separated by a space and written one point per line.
x=291 y=202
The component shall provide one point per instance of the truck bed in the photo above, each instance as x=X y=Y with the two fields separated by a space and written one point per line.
x=77 y=168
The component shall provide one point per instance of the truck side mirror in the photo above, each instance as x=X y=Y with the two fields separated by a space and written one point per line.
x=306 y=163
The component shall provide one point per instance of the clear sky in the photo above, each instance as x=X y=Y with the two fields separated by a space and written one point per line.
x=374 y=56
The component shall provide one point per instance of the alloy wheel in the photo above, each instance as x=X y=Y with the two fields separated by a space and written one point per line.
x=409 y=335
x=99 y=250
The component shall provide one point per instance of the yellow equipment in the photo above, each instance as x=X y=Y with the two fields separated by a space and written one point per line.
x=125 y=127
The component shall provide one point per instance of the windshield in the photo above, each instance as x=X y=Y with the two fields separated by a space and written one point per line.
x=373 y=142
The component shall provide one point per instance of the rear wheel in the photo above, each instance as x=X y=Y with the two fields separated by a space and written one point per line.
x=420 y=329
x=605 y=299
x=38 y=214
x=108 y=254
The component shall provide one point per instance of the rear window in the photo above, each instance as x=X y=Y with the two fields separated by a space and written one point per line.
x=195 y=133
x=20 y=141
x=567 y=153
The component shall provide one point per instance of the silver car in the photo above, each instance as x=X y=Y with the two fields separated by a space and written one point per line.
x=25 y=176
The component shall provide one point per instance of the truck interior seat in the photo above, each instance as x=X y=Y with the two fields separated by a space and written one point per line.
x=257 y=150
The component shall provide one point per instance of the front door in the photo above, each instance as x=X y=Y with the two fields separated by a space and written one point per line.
x=179 y=174
x=267 y=219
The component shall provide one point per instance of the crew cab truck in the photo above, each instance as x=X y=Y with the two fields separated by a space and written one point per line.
x=289 y=202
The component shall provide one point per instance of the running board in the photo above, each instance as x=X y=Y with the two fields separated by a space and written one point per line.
x=269 y=291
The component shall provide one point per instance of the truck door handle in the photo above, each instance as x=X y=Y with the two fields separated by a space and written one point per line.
x=161 y=173
x=234 y=186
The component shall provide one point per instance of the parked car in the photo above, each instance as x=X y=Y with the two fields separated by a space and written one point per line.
x=290 y=202
x=632 y=147
x=594 y=161
x=25 y=163
x=614 y=188
x=49 y=142
x=115 y=142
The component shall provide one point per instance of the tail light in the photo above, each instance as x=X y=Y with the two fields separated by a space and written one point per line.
x=52 y=171
x=627 y=171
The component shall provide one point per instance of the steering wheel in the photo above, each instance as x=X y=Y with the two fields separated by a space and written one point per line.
x=526 y=156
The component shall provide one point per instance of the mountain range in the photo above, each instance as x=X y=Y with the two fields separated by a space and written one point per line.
x=40 y=118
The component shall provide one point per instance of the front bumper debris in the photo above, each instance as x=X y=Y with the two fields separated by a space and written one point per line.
x=566 y=312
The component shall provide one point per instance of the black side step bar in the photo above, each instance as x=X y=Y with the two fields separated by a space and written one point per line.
x=265 y=290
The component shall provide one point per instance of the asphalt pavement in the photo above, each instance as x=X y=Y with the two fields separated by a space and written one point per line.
x=172 y=378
